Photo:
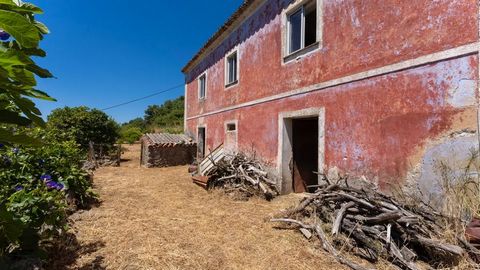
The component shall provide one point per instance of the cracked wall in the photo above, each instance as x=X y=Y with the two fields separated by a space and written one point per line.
x=387 y=127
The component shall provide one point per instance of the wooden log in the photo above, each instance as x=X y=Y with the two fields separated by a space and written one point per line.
x=329 y=248
x=338 y=220
x=447 y=248
x=379 y=219
x=325 y=244
x=357 y=200
x=258 y=171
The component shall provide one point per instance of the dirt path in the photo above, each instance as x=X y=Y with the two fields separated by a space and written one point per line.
x=157 y=219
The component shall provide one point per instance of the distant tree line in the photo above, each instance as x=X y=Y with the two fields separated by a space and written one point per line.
x=167 y=118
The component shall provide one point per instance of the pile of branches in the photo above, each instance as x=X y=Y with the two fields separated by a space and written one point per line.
x=372 y=225
x=243 y=177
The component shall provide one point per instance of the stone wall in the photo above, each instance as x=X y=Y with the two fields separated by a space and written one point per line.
x=163 y=156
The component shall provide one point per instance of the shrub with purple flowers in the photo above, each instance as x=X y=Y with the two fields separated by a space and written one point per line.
x=38 y=186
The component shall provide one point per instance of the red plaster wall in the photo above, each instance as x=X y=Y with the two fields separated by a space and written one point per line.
x=372 y=126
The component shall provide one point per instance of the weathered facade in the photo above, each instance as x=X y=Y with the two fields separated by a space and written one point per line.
x=165 y=150
x=385 y=88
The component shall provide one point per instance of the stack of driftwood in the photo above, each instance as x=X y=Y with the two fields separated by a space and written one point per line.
x=373 y=225
x=242 y=176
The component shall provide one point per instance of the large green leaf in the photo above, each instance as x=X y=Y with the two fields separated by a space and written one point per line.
x=41 y=72
x=18 y=72
x=10 y=117
x=13 y=57
x=20 y=27
x=39 y=94
x=29 y=109
x=7 y=136
x=42 y=28
x=34 y=52
x=24 y=76
x=20 y=7
x=36 y=94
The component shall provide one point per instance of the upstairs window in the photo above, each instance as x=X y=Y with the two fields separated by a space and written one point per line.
x=231 y=69
x=302 y=27
x=202 y=86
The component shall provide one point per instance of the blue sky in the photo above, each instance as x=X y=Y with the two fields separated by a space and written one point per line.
x=107 y=52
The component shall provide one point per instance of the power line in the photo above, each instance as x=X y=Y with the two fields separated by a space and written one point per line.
x=145 y=97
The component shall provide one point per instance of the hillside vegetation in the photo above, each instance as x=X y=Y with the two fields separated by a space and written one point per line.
x=167 y=118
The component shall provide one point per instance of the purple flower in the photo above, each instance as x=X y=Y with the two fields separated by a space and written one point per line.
x=46 y=177
x=51 y=184
x=2 y=145
x=18 y=188
x=54 y=185
x=15 y=150
x=60 y=186
x=4 y=35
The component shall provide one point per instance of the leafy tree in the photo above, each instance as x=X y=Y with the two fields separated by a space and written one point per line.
x=136 y=123
x=83 y=125
x=133 y=130
x=167 y=117
x=130 y=134
x=20 y=35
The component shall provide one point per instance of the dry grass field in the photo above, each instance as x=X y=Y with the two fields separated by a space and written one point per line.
x=158 y=219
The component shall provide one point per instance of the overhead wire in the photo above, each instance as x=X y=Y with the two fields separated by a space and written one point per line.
x=145 y=97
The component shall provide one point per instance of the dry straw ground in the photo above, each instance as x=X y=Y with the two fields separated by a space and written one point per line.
x=157 y=219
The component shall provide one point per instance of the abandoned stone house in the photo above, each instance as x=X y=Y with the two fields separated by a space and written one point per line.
x=380 y=88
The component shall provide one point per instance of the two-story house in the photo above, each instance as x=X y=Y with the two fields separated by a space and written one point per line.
x=381 y=88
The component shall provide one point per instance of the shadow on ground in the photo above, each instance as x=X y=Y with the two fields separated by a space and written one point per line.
x=64 y=254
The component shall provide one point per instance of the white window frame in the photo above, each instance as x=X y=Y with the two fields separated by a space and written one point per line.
x=286 y=32
x=203 y=75
x=231 y=122
x=234 y=132
x=227 y=70
x=302 y=29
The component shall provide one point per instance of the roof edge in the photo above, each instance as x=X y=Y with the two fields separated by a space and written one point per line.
x=245 y=10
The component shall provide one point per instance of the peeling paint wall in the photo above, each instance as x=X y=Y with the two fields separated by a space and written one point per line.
x=386 y=127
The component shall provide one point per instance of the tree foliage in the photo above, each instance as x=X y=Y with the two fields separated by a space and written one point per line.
x=167 y=117
x=130 y=134
x=18 y=72
x=83 y=125
x=132 y=131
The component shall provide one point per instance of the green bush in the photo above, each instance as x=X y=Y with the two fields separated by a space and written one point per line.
x=167 y=117
x=83 y=125
x=130 y=134
x=36 y=186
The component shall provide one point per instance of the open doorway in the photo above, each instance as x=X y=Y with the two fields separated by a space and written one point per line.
x=301 y=149
x=201 y=142
x=305 y=154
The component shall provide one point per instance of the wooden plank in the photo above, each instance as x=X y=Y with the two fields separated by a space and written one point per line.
x=209 y=162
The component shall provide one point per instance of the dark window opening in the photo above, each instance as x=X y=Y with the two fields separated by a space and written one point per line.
x=231 y=127
x=201 y=142
x=232 y=68
x=302 y=27
x=296 y=31
x=310 y=24
x=202 y=86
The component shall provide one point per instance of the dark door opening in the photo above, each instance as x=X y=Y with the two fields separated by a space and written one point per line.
x=201 y=142
x=305 y=154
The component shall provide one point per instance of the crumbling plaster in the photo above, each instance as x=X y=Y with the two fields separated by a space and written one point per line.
x=395 y=80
